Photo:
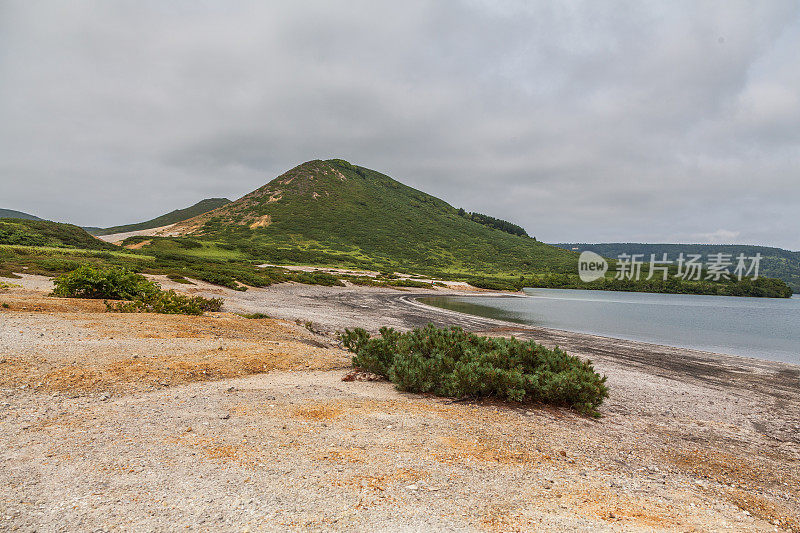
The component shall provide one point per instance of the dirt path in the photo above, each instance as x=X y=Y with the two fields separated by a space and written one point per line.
x=158 y=423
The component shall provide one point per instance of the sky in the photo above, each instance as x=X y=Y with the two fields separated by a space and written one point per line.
x=581 y=121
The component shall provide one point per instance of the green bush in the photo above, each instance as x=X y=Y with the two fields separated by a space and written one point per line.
x=167 y=302
x=253 y=316
x=107 y=283
x=315 y=278
x=453 y=363
x=120 y=284
x=410 y=283
x=493 y=284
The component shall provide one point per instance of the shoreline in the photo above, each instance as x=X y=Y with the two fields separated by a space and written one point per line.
x=566 y=332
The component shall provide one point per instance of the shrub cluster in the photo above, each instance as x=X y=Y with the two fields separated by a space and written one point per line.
x=104 y=283
x=495 y=284
x=142 y=295
x=453 y=363
x=167 y=302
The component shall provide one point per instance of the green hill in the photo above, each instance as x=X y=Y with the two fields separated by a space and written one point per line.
x=172 y=217
x=775 y=262
x=337 y=214
x=332 y=212
x=10 y=213
x=22 y=232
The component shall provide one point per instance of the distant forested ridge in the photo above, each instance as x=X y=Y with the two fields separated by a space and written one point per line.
x=775 y=262
x=11 y=213
x=496 y=223
x=25 y=232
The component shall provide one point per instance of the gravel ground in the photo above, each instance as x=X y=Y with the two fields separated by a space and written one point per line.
x=220 y=423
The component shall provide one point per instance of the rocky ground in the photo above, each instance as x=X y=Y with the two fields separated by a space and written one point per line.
x=160 y=423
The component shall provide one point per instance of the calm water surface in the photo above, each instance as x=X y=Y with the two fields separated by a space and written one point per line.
x=766 y=328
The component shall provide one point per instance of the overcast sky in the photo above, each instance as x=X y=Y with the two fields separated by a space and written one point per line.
x=596 y=121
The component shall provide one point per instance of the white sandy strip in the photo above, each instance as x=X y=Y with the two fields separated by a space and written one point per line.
x=117 y=237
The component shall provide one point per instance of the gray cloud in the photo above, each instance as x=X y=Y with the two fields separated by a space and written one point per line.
x=581 y=121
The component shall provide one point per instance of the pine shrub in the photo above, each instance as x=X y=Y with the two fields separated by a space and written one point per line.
x=142 y=295
x=453 y=363
x=106 y=283
x=167 y=302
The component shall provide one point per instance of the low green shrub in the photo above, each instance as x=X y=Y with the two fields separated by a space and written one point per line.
x=493 y=284
x=218 y=278
x=167 y=302
x=315 y=278
x=453 y=363
x=410 y=283
x=107 y=283
x=142 y=295
x=254 y=316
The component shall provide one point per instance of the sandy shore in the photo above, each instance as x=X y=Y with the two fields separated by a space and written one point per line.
x=158 y=423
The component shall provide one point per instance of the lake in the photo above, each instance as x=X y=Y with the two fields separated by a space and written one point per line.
x=764 y=328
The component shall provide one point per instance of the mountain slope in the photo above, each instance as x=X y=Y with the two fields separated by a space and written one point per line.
x=10 y=213
x=172 y=217
x=775 y=262
x=332 y=211
x=24 y=232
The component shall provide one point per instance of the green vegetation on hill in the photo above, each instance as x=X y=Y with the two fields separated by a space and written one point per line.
x=231 y=272
x=336 y=214
x=496 y=223
x=775 y=262
x=17 y=231
x=332 y=212
x=10 y=213
x=172 y=217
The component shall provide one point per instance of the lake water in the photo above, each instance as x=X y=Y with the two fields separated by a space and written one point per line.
x=765 y=328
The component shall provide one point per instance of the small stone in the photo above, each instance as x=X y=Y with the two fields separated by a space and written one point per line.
x=226 y=416
x=105 y=397
x=413 y=487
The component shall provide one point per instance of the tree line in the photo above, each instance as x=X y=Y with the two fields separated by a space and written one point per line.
x=496 y=223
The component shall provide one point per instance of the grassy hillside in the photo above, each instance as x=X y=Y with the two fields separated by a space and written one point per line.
x=333 y=212
x=172 y=217
x=10 y=213
x=15 y=231
x=775 y=262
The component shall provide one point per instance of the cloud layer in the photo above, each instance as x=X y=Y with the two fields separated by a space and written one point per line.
x=580 y=121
